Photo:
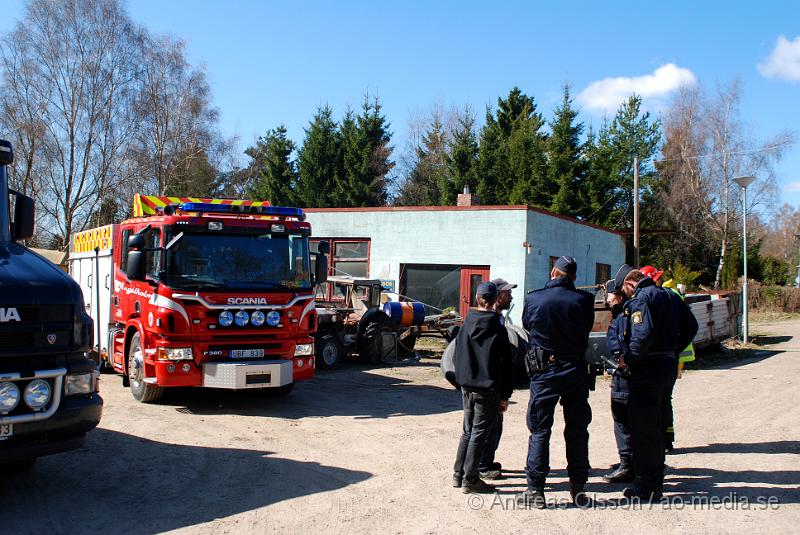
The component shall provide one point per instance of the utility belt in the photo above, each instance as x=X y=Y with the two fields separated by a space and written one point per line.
x=538 y=359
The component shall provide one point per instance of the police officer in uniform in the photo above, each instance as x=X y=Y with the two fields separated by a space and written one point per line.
x=623 y=472
x=559 y=318
x=657 y=325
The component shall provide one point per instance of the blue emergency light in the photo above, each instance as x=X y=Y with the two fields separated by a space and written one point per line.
x=278 y=211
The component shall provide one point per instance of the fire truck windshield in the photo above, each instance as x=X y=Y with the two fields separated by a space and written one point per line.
x=238 y=262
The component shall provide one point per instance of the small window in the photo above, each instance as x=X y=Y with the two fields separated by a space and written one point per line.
x=351 y=250
x=123 y=261
x=152 y=240
x=602 y=273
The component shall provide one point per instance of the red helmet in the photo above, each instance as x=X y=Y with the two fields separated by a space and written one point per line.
x=652 y=272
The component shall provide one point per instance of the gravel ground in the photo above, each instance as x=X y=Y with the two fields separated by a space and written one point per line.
x=363 y=450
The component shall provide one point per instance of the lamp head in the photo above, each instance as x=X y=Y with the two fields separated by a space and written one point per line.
x=744 y=181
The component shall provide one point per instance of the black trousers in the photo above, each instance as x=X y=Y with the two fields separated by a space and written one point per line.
x=491 y=444
x=620 y=392
x=648 y=384
x=565 y=383
x=481 y=410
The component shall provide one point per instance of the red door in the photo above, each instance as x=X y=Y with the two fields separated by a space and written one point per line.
x=471 y=277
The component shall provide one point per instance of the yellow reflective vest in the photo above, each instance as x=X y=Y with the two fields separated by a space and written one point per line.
x=687 y=355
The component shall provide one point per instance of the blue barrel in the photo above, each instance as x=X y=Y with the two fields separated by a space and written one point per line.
x=405 y=314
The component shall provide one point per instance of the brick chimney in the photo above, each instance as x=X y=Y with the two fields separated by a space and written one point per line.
x=467 y=198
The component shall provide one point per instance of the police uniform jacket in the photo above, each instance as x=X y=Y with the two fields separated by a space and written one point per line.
x=559 y=318
x=615 y=336
x=658 y=322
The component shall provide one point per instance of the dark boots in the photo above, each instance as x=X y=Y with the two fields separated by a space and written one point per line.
x=623 y=473
x=533 y=496
x=578 y=493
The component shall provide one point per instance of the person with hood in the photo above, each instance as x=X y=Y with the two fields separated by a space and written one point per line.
x=483 y=368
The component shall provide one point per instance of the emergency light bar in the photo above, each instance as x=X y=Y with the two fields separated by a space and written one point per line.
x=278 y=211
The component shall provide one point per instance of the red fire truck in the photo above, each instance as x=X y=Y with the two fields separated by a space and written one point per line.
x=202 y=292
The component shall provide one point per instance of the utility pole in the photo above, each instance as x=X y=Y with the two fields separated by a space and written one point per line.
x=636 y=211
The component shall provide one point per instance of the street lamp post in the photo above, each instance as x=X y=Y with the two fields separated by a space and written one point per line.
x=743 y=182
x=798 y=261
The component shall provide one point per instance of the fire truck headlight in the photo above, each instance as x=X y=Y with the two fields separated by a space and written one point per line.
x=226 y=318
x=9 y=397
x=302 y=350
x=79 y=383
x=175 y=353
x=273 y=318
x=242 y=317
x=37 y=394
x=257 y=318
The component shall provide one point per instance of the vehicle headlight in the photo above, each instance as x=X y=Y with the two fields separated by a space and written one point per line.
x=226 y=318
x=37 y=394
x=9 y=397
x=302 y=350
x=79 y=383
x=273 y=318
x=242 y=317
x=257 y=318
x=176 y=353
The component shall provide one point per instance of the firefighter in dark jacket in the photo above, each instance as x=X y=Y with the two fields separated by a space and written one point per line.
x=657 y=327
x=483 y=368
x=559 y=318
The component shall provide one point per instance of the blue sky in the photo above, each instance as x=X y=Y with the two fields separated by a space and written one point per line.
x=275 y=62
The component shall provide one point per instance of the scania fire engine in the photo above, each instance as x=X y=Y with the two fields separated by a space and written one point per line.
x=202 y=292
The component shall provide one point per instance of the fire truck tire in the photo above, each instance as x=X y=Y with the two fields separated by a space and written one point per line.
x=329 y=352
x=142 y=391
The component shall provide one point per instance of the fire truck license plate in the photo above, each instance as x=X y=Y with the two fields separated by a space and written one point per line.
x=246 y=353
x=6 y=430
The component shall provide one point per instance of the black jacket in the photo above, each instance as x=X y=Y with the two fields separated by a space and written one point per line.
x=559 y=318
x=659 y=323
x=483 y=354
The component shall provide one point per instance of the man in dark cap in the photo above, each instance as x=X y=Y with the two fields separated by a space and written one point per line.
x=489 y=468
x=559 y=318
x=657 y=326
x=483 y=369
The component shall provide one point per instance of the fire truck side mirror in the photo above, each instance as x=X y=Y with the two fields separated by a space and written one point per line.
x=324 y=247
x=136 y=265
x=136 y=242
x=321 y=269
x=23 y=217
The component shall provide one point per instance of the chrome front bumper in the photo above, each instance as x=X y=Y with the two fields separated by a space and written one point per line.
x=247 y=374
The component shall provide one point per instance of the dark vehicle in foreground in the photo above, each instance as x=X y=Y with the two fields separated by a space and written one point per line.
x=48 y=385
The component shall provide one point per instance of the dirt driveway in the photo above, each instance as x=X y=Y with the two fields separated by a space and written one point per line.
x=370 y=451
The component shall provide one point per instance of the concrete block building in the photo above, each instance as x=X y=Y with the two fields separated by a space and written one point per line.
x=439 y=254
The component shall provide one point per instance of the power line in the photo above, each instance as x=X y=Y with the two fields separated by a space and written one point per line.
x=738 y=153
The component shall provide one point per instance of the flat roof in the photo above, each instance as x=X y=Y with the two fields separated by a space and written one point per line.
x=464 y=209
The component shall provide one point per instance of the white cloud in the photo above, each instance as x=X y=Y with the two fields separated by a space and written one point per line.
x=784 y=61
x=792 y=187
x=607 y=94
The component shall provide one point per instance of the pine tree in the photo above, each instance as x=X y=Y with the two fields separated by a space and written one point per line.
x=277 y=174
x=462 y=157
x=366 y=157
x=566 y=166
x=610 y=178
x=512 y=162
x=319 y=161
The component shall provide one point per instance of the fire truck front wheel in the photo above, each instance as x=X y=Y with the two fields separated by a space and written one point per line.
x=142 y=391
x=329 y=352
